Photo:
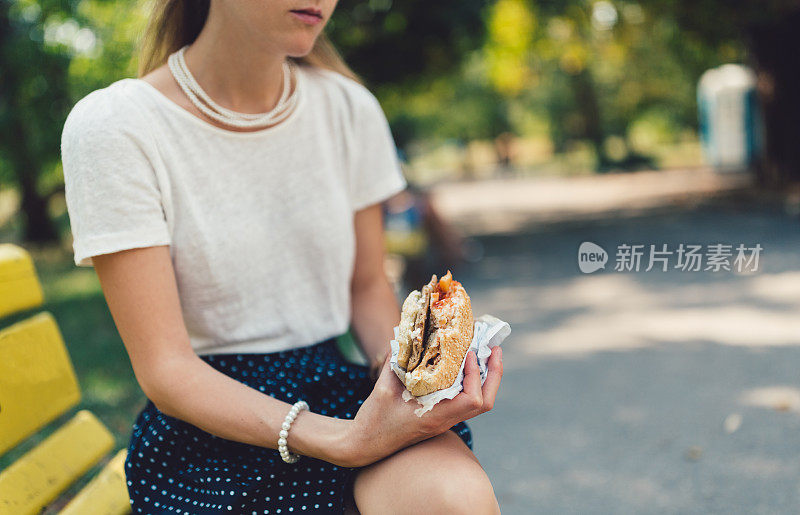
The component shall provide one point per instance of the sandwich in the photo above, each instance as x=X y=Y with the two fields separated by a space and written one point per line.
x=434 y=335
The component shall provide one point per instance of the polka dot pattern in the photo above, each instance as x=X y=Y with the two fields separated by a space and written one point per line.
x=176 y=467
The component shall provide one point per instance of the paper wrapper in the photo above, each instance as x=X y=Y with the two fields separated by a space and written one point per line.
x=489 y=332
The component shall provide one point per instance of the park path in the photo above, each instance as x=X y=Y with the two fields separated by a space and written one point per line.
x=643 y=392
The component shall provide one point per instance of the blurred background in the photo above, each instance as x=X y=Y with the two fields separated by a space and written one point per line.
x=527 y=127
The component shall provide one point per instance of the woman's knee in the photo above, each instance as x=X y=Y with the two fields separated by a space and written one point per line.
x=440 y=475
x=467 y=490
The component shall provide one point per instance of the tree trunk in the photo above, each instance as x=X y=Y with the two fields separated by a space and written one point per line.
x=589 y=107
x=37 y=224
x=777 y=64
x=38 y=227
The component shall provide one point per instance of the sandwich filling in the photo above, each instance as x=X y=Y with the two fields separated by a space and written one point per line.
x=421 y=332
x=434 y=317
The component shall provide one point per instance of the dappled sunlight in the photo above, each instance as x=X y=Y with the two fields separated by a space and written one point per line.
x=622 y=311
x=591 y=332
x=520 y=302
x=747 y=325
x=780 y=398
x=784 y=287
x=645 y=390
x=506 y=205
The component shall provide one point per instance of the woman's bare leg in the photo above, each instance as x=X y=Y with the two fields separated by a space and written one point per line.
x=438 y=475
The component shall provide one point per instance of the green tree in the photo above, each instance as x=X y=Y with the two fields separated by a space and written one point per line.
x=406 y=42
x=54 y=52
x=768 y=30
x=34 y=100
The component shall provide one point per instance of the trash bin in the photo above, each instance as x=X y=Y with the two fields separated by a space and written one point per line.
x=729 y=116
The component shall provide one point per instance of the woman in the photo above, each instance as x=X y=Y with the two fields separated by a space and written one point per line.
x=229 y=200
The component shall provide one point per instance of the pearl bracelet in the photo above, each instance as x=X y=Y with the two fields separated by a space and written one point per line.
x=287 y=456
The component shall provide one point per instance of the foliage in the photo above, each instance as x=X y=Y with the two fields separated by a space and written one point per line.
x=404 y=42
x=592 y=69
x=584 y=69
x=511 y=26
x=34 y=94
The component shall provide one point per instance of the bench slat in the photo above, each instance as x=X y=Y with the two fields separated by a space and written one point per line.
x=37 y=381
x=19 y=286
x=106 y=494
x=37 y=478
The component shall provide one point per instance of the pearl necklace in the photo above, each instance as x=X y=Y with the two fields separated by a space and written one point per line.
x=284 y=107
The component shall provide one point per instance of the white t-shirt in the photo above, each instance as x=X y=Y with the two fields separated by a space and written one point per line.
x=259 y=224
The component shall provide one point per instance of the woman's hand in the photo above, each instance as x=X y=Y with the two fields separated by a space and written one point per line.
x=385 y=423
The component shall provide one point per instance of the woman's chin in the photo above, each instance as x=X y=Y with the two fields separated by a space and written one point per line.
x=300 y=47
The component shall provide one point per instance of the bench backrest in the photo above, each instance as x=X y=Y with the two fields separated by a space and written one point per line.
x=37 y=385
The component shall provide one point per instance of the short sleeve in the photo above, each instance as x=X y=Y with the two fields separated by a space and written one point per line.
x=377 y=174
x=112 y=193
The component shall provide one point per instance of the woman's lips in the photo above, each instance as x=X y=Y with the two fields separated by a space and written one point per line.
x=309 y=16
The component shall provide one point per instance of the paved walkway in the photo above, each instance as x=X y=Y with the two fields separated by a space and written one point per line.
x=507 y=205
x=648 y=392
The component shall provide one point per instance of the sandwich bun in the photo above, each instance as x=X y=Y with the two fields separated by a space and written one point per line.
x=434 y=335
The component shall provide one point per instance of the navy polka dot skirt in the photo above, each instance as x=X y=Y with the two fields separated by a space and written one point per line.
x=175 y=467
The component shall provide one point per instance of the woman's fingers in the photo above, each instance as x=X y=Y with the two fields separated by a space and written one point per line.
x=389 y=379
x=493 y=375
x=472 y=382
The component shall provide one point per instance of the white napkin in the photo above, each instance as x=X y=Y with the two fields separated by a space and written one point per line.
x=489 y=332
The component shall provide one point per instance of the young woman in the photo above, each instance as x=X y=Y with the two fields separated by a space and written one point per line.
x=229 y=200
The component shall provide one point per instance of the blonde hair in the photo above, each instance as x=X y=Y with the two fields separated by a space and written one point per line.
x=175 y=23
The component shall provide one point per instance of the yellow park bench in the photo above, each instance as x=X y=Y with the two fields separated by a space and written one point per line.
x=38 y=385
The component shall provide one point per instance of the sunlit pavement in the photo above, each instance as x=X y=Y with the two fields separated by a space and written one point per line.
x=644 y=392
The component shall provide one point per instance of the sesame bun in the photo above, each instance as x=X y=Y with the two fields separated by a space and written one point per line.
x=435 y=332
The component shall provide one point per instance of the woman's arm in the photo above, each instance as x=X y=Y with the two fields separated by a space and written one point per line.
x=140 y=288
x=142 y=295
x=375 y=310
